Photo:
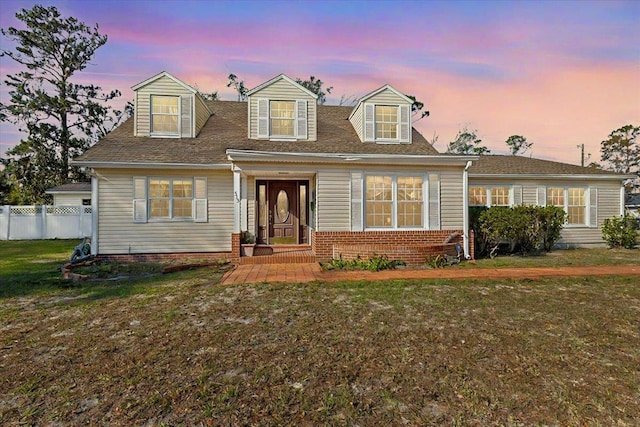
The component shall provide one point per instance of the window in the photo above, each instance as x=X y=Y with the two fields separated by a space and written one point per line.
x=477 y=196
x=164 y=115
x=489 y=196
x=410 y=201
x=170 y=198
x=394 y=201
x=572 y=200
x=282 y=118
x=386 y=122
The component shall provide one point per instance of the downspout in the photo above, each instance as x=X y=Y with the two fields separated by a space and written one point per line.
x=94 y=213
x=465 y=207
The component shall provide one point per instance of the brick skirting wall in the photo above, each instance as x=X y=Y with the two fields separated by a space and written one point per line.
x=411 y=247
x=233 y=256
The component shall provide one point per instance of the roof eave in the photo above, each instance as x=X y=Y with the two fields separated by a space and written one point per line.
x=351 y=158
x=151 y=165
x=572 y=177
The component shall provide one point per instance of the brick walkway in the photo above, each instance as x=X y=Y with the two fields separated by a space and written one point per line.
x=302 y=273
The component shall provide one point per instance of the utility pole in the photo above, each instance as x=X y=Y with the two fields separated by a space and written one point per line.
x=581 y=147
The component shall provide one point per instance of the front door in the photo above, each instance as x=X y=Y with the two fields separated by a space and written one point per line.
x=283 y=212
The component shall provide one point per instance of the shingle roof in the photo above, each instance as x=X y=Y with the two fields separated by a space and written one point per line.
x=518 y=165
x=227 y=129
x=72 y=187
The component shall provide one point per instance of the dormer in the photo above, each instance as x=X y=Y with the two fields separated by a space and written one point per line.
x=282 y=110
x=383 y=116
x=166 y=107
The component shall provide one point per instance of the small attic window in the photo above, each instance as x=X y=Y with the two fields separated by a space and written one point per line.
x=386 y=122
x=282 y=118
x=165 y=115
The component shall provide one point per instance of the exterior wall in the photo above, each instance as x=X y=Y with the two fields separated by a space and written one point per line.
x=74 y=199
x=386 y=96
x=118 y=234
x=202 y=114
x=334 y=195
x=282 y=90
x=411 y=247
x=357 y=121
x=571 y=236
x=162 y=86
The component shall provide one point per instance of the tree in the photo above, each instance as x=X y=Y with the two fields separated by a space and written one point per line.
x=239 y=86
x=315 y=86
x=518 y=144
x=209 y=96
x=416 y=107
x=467 y=142
x=60 y=118
x=621 y=150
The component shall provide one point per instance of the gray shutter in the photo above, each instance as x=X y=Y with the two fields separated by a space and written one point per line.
x=139 y=199
x=200 y=200
x=593 y=207
x=301 y=119
x=434 y=201
x=405 y=123
x=369 y=122
x=263 y=118
x=542 y=195
x=517 y=195
x=185 y=116
x=356 y=201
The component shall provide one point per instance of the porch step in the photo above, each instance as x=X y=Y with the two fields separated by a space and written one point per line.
x=280 y=255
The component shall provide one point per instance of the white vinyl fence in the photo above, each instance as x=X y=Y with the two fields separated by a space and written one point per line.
x=44 y=222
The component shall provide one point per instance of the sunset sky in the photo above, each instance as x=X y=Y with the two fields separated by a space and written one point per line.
x=561 y=73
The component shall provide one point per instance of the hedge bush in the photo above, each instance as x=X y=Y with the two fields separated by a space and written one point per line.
x=620 y=232
x=521 y=229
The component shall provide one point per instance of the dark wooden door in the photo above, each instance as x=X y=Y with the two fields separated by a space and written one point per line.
x=283 y=212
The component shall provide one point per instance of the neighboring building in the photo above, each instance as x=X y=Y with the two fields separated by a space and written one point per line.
x=72 y=194
x=186 y=176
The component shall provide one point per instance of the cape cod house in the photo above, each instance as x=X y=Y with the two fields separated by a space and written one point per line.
x=184 y=177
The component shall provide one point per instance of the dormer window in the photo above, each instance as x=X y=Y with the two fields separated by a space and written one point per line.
x=165 y=115
x=386 y=122
x=282 y=118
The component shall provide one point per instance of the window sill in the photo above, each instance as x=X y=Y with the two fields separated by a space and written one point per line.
x=164 y=135
x=177 y=220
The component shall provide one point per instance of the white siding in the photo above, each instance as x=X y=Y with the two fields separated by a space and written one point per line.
x=202 y=114
x=162 y=86
x=334 y=200
x=608 y=204
x=357 y=121
x=120 y=235
x=282 y=90
x=387 y=97
x=70 y=199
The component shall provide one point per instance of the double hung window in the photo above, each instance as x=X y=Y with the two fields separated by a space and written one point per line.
x=386 y=122
x=489 y=196
x=573 y=200
x=394 y=201
x=164 y=115
x=282 y=118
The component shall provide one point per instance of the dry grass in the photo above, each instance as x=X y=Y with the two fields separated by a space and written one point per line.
x=182 y=350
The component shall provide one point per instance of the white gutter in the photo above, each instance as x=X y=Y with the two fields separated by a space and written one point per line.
x=581 y=177
x=352 y=158
x=151 y=165
x=465 y=211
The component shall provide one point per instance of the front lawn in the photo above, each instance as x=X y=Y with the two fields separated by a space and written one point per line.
x=181 y=350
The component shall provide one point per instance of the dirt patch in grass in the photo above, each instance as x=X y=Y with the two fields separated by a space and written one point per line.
x=183 y=350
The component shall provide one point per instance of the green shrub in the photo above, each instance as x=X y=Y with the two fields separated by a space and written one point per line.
x=375 y=263
x=620 y=232
x=438 y=261
x=521 y=229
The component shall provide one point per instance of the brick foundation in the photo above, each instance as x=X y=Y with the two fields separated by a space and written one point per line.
x=411 y=247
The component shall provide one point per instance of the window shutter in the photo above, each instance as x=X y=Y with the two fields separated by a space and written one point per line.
x=185 y=116
x=434 y=201
x=301 y=119
x=369 y=122
x=263 y=118
x=405 y=123
x=200 y=200
x=517 y=195
x=542 y=195
x=139 y=199
x=593 y=207
x=356 y=201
